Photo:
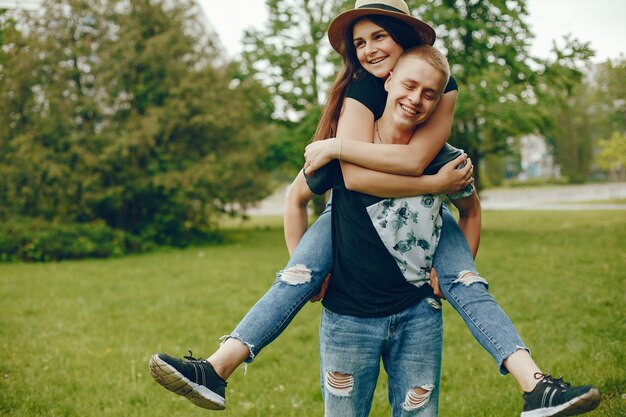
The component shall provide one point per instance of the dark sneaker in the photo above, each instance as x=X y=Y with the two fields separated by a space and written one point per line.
x=553 y=397
x=195 y=379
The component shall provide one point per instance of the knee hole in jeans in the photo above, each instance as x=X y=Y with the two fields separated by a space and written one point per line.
x=468 y=278
x=339 y=384
x=417 y=397
x=296 y=275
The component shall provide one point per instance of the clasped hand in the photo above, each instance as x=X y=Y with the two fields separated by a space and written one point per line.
x=319 y=153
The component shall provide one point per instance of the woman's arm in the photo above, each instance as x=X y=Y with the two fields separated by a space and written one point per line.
x=357 y=123
x=426 y=142
x=296 y=216
x=469 y=220
x=448 y=180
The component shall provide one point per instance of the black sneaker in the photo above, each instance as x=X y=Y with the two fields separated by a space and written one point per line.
x=195 y=379
x=553 y=397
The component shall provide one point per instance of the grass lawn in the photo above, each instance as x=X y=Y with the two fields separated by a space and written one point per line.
x=76 y=336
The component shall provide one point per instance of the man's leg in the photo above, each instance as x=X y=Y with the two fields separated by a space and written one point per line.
x=350 y=349
x=413 y=360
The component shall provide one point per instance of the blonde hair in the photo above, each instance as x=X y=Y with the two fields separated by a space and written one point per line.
x=430 y=55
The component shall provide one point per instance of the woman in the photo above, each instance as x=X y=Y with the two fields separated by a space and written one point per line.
x=203 y=381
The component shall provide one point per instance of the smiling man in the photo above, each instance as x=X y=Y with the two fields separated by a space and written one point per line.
x=414 y=89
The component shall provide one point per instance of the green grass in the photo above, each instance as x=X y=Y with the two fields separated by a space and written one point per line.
x=75 y=337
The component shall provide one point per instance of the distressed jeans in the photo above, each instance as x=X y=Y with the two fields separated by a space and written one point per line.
x=409 y=344
x=468 y=294
x=294 y=286
x=312 y=261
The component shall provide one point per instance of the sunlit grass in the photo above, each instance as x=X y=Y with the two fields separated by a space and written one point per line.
x=76 y=336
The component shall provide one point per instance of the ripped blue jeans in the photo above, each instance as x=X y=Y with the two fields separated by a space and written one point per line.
x=312 y=261
x=409 y=345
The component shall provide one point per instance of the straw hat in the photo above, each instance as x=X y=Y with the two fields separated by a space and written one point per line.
x=393 y=8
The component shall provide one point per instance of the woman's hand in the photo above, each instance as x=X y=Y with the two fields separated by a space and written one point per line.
x=319 y=153
x=456 y=175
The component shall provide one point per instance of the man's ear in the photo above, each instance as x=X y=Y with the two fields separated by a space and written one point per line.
x=388 y=81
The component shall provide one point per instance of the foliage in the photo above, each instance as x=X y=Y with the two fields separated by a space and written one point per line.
x=563 y=103
x=505 y=92
x=31 y=240
x=290 y=53
x=608 y=98
x=486 y=44
x=123 y=111
x=612 y=155
x=106 y=317
x=291 y=56
x=579 y=111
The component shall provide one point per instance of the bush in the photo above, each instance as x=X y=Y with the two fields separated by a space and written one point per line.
x=38 y=240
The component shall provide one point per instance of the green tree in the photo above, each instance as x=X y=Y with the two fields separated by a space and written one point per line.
x=565 y=110
x=290 y=54
x=121 y=110
x=47 y=79
x=612 y=156
x=608 y=97
x=292 y=57
x=487 y=46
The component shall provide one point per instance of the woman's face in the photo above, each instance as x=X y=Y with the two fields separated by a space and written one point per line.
x=375 y=48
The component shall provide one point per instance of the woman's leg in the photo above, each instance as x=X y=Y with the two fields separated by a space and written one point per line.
x=294 y=286
x=203 y=382
x=468 y=294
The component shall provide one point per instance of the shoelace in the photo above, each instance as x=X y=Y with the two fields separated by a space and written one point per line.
x=550 y=380
x=190 y=358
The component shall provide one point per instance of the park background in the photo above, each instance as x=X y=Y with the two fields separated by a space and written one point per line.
x=128 y=133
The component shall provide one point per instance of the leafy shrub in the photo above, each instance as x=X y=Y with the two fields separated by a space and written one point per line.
x=37 y=240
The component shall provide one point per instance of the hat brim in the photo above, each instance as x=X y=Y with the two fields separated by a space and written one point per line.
x=341 y=23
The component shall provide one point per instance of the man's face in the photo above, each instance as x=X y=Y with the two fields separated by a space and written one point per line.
x=414 y=88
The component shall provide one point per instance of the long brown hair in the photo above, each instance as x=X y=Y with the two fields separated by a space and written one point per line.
x=351 y=69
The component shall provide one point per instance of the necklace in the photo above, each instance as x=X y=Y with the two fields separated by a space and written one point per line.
x=380 y=140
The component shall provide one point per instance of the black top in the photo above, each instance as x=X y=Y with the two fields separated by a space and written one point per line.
x=366 y=280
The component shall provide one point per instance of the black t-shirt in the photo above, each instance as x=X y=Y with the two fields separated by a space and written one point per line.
x=366 y=280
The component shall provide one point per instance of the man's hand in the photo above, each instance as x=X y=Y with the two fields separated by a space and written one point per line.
x=434 y=282
x=322 y=292
x=456 y=175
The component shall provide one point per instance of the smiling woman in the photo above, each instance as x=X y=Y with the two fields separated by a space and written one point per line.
x=375 y=48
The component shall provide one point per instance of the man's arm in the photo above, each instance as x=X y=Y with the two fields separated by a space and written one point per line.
x=296 y=216
x=470 y=220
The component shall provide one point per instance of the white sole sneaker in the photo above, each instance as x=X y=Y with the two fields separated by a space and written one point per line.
x=176 y=382
x=581 y=404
